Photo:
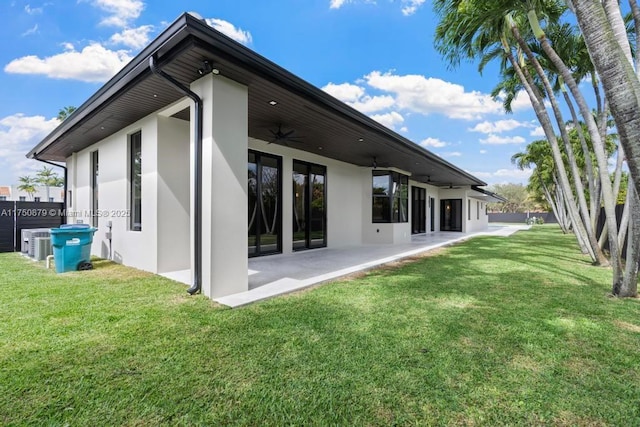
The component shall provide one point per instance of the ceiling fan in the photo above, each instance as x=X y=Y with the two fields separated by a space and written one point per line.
x=281 y=136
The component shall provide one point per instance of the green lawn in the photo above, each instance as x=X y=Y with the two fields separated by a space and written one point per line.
x=494 y=331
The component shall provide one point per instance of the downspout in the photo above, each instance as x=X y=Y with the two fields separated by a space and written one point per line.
x=64 y=187
x=197 y=248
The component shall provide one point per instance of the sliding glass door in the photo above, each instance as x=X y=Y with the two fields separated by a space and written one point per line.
x=451 y=215
x=418 y=210
x=265 y=205
x=309 y=206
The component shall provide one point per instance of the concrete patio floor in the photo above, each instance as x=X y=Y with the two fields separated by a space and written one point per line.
x=274 y=275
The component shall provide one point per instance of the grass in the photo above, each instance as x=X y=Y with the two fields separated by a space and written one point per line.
x=494 y=331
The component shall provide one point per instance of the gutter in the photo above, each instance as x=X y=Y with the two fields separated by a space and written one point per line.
x=197 y=248
x=64 y=187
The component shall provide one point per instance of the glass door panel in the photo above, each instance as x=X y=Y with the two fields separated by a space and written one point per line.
x=309 y=206
x=299 y=206
x=264 y=214
x=317 y=238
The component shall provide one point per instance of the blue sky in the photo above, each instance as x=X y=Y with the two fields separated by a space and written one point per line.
x=377 y=56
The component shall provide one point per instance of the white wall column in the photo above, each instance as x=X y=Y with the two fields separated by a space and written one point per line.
x=224 y=185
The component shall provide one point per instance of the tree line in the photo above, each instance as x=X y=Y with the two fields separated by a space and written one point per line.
x=45 y=177
x=541 y=50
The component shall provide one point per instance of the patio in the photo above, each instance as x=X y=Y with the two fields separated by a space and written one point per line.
x=274 y=275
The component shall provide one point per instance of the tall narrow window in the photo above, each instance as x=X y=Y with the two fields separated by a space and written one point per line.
x=135 y=181
x=265 y=205
x=390 y=194
x=469 y=210
x=477 y=210
x=94 y=188
x=22 y=198
x=309 y=205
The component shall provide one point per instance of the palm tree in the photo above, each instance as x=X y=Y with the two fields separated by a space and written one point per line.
x=620 y=83
x=596 y=140
x=28 y=185
x=48 y=178
x=611 y=56
x=65 y=112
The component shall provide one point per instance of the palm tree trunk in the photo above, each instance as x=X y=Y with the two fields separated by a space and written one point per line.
x=621 y=85
x=581 y=224
x=594 y=208
x=635 y=13
x=598 y=148
x=629 y=287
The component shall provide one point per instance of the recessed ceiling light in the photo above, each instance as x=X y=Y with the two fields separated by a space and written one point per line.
x=102 y=127
x=360 y=139
x=319 y=148
x=272 y=102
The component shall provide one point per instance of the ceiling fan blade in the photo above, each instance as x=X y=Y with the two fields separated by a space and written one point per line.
x=288 y=134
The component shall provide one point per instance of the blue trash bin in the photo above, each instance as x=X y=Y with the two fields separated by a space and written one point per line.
x=72 y=246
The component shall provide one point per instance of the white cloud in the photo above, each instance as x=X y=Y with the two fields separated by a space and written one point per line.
x=94 y=63
x=231 y=30
x=411 y=6
x=345 y=92
x=499 y=126
x=33 y=10
x=538 y=131
x=355 y=96
x=521 y=102
x=503 y=176
x=483 y=151
x=433 y=142
x=20 y=133
x=452 y=154
x=424 y=95
x=336 y=4
x=493 y=139
x=136 y=38
x=404 y=129
x=370 y=104
x=120 y=12
x=390 y=120
x=30 y=31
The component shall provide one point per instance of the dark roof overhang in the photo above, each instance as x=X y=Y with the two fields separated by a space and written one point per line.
x=330 y=128
x=489 y=197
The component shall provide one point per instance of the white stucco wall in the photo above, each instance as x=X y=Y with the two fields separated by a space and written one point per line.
x=479 y=219
x=224 y=185
x=174 y=202
x=432 y=191
x=161 y=183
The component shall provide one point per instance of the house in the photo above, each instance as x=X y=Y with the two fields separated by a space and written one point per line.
x=42 y=194
x=201 y=153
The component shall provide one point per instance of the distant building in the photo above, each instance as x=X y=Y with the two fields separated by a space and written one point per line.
x=11 y=193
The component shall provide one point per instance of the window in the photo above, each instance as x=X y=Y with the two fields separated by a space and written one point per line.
x=135 y=181
x=477 y=210
x=265 y=205
x=469 y=210
x=94 y=188
x=51 y=199
x=390 y=194
x=36 y=199
x=3 y=198
x=22 y=199
x=309 y=205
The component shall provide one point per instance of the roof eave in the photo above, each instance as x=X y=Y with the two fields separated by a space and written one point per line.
x=132 y=70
